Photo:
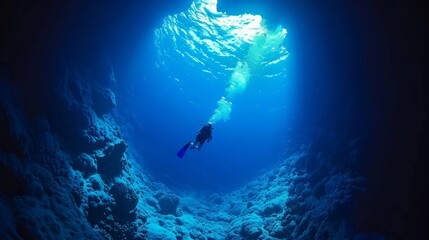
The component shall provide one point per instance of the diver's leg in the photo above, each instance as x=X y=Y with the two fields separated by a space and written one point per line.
x=194 y=144
x=200 y=145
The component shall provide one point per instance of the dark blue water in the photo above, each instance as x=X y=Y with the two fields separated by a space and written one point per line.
x=179 y=97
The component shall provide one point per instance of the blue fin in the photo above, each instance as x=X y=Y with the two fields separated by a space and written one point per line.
x=182 y=151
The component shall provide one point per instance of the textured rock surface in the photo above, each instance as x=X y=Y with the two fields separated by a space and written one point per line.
x=168 y=204
x=110 y=162
x=85 y=164
x=104 y=100
x=125 y=201
x=251 y=228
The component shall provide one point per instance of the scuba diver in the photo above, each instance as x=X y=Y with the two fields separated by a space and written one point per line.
x=204 y=134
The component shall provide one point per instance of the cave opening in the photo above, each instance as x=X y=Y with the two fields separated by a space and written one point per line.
x=230 y=70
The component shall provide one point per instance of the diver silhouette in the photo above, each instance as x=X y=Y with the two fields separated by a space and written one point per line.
x=203 y=135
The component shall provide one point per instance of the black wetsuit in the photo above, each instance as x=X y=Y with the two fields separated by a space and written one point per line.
x=204 y=134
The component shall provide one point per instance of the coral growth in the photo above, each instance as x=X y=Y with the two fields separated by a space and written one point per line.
x=168 y=204
x=125 y=201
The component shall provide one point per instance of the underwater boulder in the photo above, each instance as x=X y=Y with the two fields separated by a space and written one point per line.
x=216 y=198
x=100 y=133
x=168 y=204
x=123 y=231
x=99 y=205
x=85 y=164
x=251 y=227
x=97 y=183
x=234 y=229
x=271 y=208
x=125 y=201
x=104 y=100
x=76 y=117
x=157 y=232
x=110 y=163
